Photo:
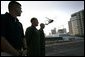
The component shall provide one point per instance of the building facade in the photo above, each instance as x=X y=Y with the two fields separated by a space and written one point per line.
x=62 y=31
x=53 y=31
x=76 y=23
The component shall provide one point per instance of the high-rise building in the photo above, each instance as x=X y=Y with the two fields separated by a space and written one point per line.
x=70 y=27
x=62 y=31
x=53 y=31
x=76 y=23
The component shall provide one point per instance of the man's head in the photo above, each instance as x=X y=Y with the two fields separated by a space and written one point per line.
x=34 y=21
x=42 y=25
x=15 y=8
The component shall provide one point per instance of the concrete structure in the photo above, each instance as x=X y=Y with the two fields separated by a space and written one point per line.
x=76 y=23
x=70 y=28
x=62 y=31
x=53 y=31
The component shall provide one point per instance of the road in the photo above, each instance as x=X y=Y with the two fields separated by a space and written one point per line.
x=74 y=48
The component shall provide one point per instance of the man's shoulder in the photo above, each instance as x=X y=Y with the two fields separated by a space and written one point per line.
x=4 y=16
x=20 y=23
x=30 y=28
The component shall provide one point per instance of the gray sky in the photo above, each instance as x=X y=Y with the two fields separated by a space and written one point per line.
x=59 y=11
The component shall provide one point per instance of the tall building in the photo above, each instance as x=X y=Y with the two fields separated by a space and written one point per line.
x=76 y=23
x=53 y=31
x=70 y=27
x=62 y=31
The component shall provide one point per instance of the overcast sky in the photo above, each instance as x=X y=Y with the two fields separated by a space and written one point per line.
x=59 y=11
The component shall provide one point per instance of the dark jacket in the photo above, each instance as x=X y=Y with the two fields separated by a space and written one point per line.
x=42 y=42
x=33 y=41
x=12 y=30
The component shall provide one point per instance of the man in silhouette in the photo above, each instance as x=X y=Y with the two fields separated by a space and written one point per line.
x=11 y=30
x=42 y=39
x=33 y=39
